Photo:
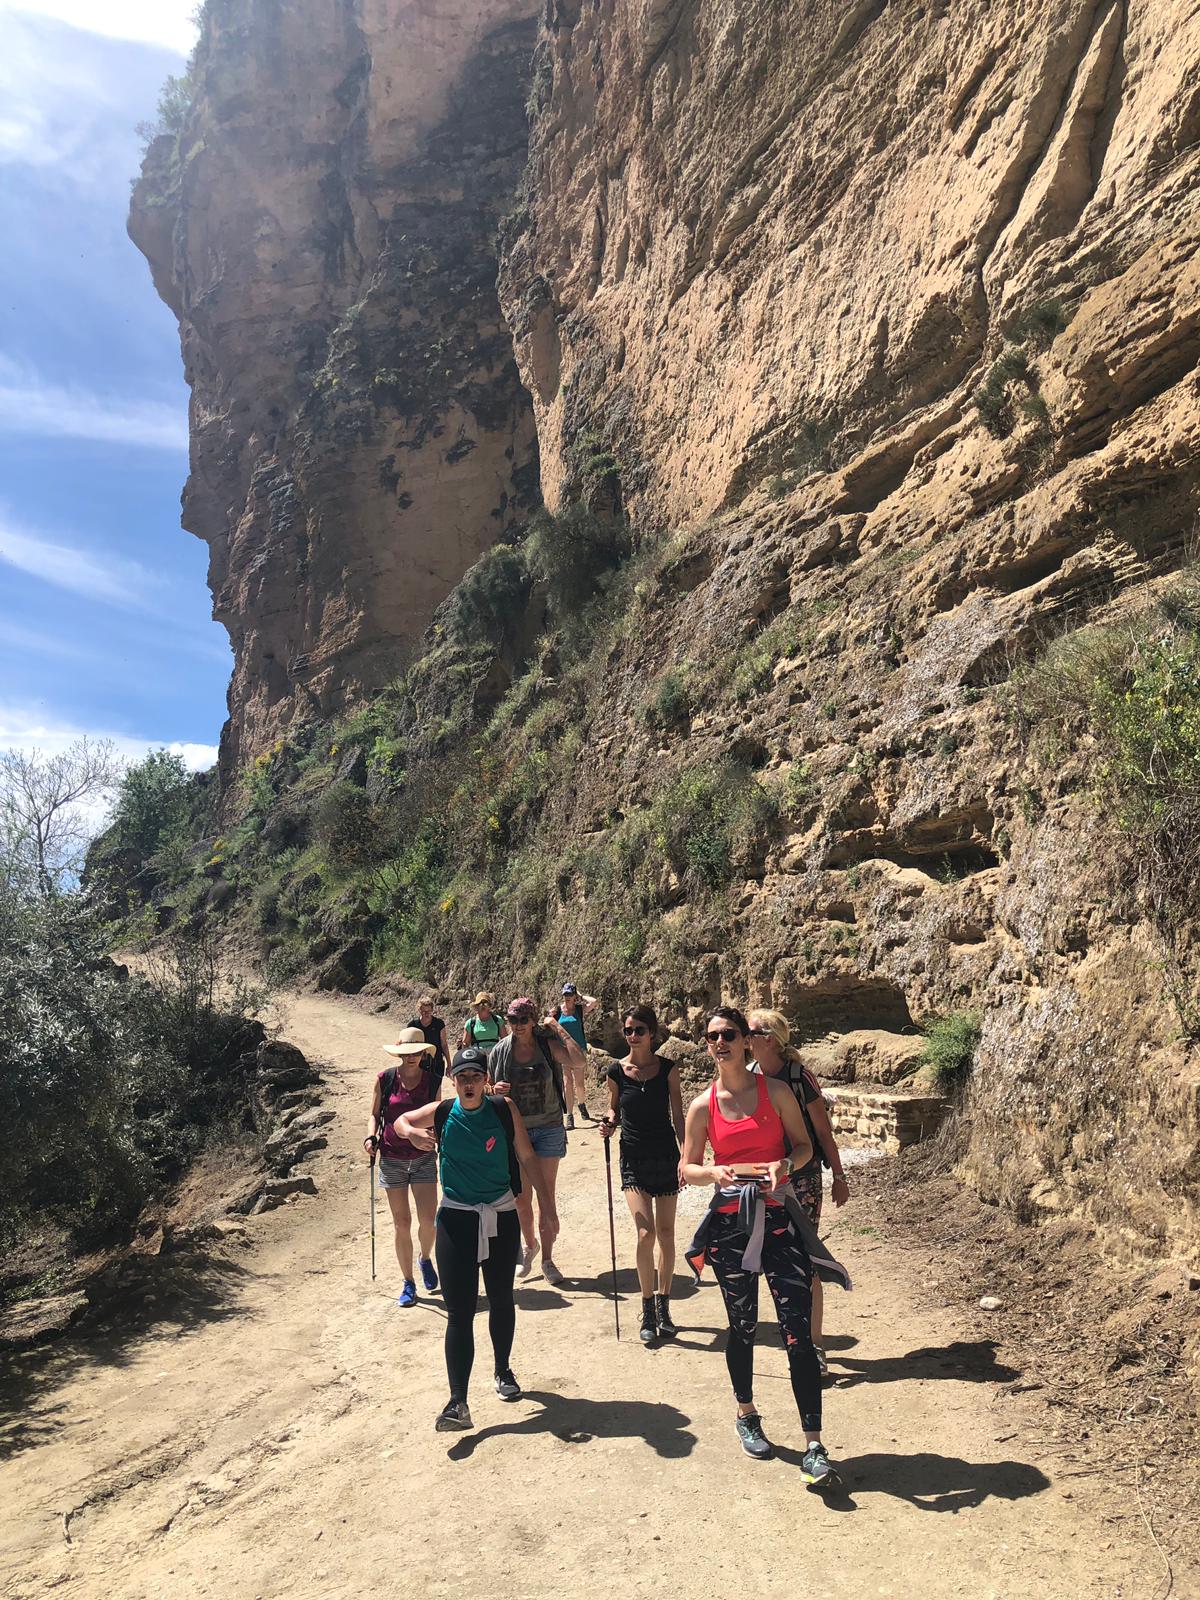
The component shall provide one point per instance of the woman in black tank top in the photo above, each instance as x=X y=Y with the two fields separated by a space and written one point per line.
x=645 y=1100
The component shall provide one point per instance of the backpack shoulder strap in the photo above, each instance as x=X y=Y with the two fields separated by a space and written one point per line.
x=504 y=1111
x=556 y=1072
x=387 y=1088
x=440 y=1117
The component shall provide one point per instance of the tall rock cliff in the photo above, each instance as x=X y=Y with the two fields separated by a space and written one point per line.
x=874 y=328
x=324 y=225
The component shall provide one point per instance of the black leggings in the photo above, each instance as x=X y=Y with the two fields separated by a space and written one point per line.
x=787 y=1269
x=457 y=1245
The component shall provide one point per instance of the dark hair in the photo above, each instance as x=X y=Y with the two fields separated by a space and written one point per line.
x=731 y=1014
x=643 y=1014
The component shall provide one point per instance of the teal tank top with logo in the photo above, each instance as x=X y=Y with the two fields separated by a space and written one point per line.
x=474 y=1156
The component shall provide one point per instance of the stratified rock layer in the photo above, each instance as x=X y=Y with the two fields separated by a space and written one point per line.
x=324 y=228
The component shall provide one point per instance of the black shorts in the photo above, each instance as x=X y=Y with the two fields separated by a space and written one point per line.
x=654 y=1169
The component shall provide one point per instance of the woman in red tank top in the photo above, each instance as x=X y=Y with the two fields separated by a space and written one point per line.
x=749 y=1121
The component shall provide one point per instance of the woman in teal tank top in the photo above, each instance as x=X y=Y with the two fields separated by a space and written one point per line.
x=481 y=1141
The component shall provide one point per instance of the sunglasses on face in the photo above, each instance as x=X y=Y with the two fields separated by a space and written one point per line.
x=726 y=1035
x=758 y=1033
x=635 y=1032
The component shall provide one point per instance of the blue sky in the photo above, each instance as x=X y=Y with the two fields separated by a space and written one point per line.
x=104 y=611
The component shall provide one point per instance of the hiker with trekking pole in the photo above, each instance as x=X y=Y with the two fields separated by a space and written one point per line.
x=403 y=1168
x=755 y=1227
x=646 y=1102
x=484 y=1154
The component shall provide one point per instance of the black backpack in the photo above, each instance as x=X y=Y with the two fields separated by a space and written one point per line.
x=795 y=1082
x=504 y=1111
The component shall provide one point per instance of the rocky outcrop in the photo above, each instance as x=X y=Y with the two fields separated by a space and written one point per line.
x=324 y=228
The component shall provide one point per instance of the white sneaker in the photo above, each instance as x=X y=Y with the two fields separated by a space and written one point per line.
x=528 y=1257
x=550 y=1272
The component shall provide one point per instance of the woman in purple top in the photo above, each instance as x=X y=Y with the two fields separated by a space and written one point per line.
x=405 y=1087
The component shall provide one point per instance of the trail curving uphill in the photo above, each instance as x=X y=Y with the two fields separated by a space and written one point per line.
x=273 y=1434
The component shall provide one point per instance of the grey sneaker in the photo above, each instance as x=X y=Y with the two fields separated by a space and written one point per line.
x=550 y=1272
x=507 y=1386
x=453 y=1417
x=570 y=1124
x=754 y=1441
x=817 y=1470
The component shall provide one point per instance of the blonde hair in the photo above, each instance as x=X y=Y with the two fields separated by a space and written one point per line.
x=425 y=1000
x=776 y=1025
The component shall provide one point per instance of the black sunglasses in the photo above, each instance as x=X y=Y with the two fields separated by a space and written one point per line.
x=727 y=1034
x=759 y=1033
x=635 y=1032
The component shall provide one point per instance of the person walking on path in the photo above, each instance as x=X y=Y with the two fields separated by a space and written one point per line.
x=483 y=1026
x=573 y=1007
x=483 y=1149
x=434 y=1029
x=754 y=1226
x=645 y=1100
x=532 y=1067
x=411 y=1083
x=774 y=1056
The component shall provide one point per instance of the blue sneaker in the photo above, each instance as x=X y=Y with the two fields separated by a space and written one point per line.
x=408 y=1295
x=428 y=1275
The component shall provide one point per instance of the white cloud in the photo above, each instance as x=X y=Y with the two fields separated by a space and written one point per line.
x=168 y=23
x=23 y=728
x=29 y=406
x=114 y=579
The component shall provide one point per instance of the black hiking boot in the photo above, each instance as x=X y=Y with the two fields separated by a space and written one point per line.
x=754 y=1441
x=648 y=1332
x=584 y=1112
x=662 y=1311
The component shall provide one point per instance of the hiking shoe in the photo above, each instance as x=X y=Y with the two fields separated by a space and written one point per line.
x=507 y=1386
x=550 y=1272
x=453 y=1417
x=648 y=1332
x=570 y=1123
x=817 y=1470
x=528 y=1257
x=584 y=1112
x=428 y=1275
x=754 y=1441
x=408 y=1295
x=662 y=1313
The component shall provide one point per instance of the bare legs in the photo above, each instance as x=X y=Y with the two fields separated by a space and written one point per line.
x=549 y=1168
x=654 y=1219
x=426 y=1200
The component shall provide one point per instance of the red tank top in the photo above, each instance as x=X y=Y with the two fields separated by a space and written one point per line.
x=758 y=1137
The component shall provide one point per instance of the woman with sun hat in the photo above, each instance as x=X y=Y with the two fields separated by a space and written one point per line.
x=411 y=1083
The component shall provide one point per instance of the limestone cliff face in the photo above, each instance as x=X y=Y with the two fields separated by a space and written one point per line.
x=324 y=228
x=904 y=298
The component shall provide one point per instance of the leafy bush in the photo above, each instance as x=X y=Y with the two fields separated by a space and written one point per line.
x=950 y=1046
x=781 y=639
x=152 y=803
x=569 y=552
x=345 y=826
x=671 y=701
x=710 y=821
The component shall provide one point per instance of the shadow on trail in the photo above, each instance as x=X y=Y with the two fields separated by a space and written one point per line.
x=180 y=1294
x=577 y=1421
x=962 y=1361
x=930 y=1482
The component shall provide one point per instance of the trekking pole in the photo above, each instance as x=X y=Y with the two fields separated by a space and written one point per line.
x=372 y=1213
x=612 y=1231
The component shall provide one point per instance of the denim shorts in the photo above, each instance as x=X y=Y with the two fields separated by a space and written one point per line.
x=551 y=1141
x=397 y=1174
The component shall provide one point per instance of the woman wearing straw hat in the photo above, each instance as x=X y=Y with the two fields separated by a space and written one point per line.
x=405 y=1087
x=484 y=1027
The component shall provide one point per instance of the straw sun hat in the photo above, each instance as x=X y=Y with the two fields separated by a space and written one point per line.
x=410 y=1042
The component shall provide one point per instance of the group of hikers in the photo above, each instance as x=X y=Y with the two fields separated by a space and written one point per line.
x=495 y=1143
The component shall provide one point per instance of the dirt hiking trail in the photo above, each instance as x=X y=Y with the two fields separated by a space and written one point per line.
x=272 y=1433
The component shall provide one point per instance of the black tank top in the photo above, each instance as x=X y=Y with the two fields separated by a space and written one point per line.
x=644 y=1105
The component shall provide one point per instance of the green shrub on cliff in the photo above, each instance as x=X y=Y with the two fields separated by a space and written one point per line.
x=950 y=1046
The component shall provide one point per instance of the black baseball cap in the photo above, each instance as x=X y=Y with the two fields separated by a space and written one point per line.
x=473 y=1058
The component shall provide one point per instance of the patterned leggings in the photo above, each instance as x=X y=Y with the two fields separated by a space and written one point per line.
x=788 y=1273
